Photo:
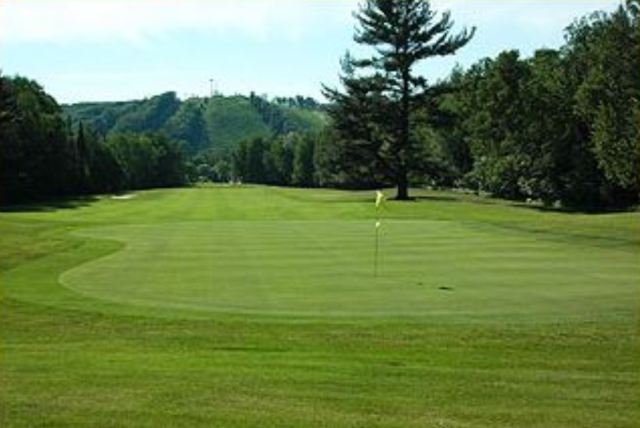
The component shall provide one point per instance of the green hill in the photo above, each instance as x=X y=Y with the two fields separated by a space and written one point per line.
x=230 y=120
x=218 y=123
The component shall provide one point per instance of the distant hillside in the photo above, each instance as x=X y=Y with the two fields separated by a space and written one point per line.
x=218 y=123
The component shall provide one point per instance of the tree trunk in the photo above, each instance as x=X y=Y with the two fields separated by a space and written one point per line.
x=403 y=181
x=403 y=187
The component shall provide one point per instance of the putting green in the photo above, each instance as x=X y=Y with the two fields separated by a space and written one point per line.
x=325 y=268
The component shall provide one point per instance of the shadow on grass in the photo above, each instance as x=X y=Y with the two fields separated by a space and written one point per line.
x=440 y=198
x=574 y=210
x=51 y=205
x=535 y=206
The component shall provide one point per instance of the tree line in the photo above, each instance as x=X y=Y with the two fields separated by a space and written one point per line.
x=561 y=126
x=42 y=155
x=280 y=160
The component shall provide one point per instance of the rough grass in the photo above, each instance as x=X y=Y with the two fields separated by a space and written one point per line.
x=257 y=307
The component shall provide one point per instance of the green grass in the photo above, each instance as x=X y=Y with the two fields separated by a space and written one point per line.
x=257 y=306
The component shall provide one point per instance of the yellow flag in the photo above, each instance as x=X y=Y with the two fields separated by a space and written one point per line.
x=379 y=199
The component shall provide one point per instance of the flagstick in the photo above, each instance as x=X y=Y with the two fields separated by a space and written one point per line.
x=379 y=201
x=375 y=258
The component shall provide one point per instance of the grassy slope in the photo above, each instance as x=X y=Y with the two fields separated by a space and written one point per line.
x=566 y=357
x=232 y=119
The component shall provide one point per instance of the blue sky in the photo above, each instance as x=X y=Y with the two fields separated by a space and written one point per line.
x=89 y=50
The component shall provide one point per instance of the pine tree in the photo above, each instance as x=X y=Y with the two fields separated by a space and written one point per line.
x=402 y=33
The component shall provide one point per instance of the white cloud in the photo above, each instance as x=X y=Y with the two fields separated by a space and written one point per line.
x=138 y=20
x=119 y=72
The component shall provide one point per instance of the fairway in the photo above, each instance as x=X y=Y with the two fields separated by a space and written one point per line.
x=258 y=306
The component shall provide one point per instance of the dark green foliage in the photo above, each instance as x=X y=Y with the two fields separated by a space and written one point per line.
x=298 y=101
x=34 y=144
x=279 y=160
x=43 y=156
x=148 y=160
x=272 y=115
x=254 y=162
x=303 y=166
x=562 y=126
x=325 y=166
x=188 y=125
x=231 y=120
x=287 y=160
x=151 y=115
x=514 y=117
x=285 y=115
x=359 y=122
x=604 y=51
x=210 y=166
x=101 y=117
x=251 y=161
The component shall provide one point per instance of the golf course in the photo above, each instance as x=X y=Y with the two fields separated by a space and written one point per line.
x=259 y=306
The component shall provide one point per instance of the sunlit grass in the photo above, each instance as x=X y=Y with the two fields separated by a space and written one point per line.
x=258 y=306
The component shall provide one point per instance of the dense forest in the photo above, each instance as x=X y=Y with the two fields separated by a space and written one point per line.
x=42 y=155
x=560 y=127
x=563 y=125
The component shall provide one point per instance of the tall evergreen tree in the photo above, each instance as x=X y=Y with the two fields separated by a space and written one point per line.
x=402 y=33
